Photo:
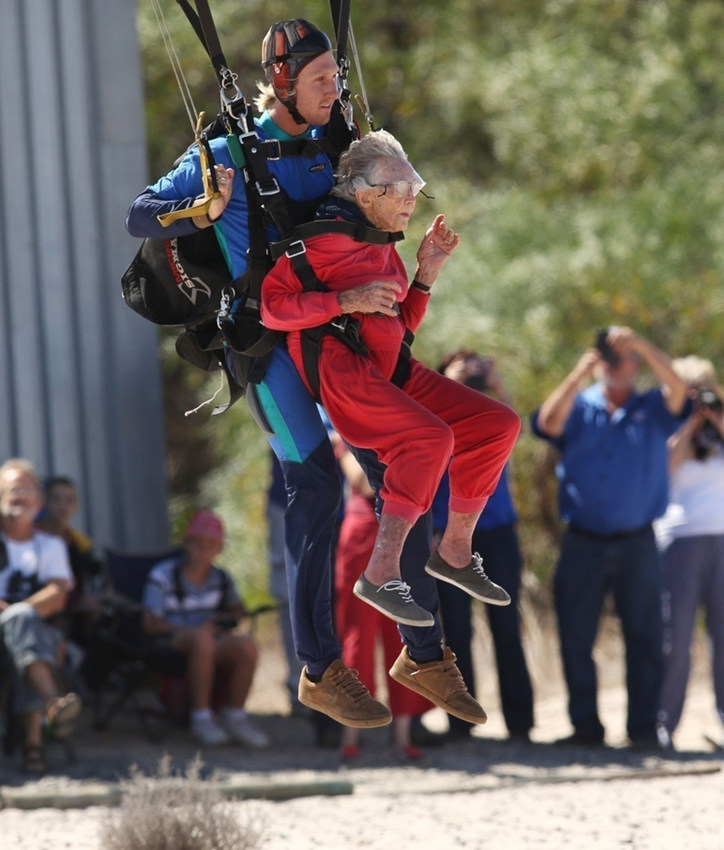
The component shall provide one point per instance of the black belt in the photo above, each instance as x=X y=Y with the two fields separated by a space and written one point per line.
x=618 y=535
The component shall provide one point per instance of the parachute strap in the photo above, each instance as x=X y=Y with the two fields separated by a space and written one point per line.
x=211 y=188
x=233 y=100
x=340 y=10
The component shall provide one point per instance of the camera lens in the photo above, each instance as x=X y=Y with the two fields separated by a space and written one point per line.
x=708 y=399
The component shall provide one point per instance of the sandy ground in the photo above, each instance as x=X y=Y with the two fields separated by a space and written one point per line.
x=483 y=793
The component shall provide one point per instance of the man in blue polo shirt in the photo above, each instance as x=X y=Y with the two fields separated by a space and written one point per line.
x=613 y=483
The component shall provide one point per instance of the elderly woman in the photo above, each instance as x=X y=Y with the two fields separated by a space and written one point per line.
x=417 y=425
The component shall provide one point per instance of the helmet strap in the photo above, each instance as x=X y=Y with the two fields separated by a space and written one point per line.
x=291 y=104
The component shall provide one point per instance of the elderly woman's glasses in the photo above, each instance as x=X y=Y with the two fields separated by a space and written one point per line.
x=401 y=188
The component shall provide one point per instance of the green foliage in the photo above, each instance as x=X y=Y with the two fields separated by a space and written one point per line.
x=576 y=148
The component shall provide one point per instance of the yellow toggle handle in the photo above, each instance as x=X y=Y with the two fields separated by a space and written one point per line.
x=202 y=204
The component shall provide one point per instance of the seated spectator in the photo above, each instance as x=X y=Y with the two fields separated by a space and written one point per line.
x=193 y=606
x=495 y=538
x=358 y=625
x=691 y=537
x=61 y=505
x=35 y=578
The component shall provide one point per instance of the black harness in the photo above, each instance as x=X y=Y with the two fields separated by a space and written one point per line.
x=238 y=320
x=344 y=327
x=222 y=317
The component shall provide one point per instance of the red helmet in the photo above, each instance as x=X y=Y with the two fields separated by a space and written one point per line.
x=287 y=47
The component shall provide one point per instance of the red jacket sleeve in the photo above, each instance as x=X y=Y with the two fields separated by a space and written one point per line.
x=413 y=308
x=285 y=306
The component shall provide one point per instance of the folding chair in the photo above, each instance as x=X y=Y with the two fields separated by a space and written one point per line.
x=122 y=663
x=8 y=720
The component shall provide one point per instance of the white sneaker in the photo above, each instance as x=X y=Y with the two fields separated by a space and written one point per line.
x=207 y=731
x=241 y=730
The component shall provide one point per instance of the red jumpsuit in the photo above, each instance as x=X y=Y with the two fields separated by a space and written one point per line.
x=416 y=430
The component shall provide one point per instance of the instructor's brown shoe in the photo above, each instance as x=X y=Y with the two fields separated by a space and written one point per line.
x=342 y=696
x=441 y=682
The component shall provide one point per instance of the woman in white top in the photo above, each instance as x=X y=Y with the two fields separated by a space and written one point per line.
x=691 y=535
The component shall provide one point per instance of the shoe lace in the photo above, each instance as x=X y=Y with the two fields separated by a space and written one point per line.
x=400 y=587
x=456 y=683
x=477 y=565
x=347 y=680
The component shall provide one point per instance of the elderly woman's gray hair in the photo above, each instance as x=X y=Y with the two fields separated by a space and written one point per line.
x=358 y=166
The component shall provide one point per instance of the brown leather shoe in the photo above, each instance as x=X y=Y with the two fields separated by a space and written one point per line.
x=342 y=696
x=441 y=682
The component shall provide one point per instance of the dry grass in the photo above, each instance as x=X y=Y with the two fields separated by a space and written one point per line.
x=176 y=812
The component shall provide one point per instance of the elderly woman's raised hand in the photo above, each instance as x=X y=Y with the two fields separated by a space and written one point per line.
x=435 y=249
x=377 y=296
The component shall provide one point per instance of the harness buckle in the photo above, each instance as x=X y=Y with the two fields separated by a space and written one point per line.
x=268 y=190
x=227 y=294
x=273 y=145
x=341 y=323
x=296 y=249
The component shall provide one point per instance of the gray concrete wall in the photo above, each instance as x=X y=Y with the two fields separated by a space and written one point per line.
x=80 y=388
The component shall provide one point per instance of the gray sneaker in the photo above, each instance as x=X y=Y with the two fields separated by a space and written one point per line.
x=471 y=579
x=393 y=599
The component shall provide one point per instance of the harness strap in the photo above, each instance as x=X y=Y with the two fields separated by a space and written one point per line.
x=265 y=186
x=344 y=328
x=358 y=231
x=402 y=369
x=277 y=148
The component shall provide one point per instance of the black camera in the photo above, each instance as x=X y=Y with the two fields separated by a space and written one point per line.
x=478 y=372
x=708 y=400
x=604 y=348
x=707 y=436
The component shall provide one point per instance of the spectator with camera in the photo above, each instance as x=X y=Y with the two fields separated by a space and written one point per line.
x=495 y=539
x=691 y=537
x=613 y=483
x=193 y=606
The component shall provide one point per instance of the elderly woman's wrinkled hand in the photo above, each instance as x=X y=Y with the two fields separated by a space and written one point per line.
x=435 y=249
x=377 y=296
